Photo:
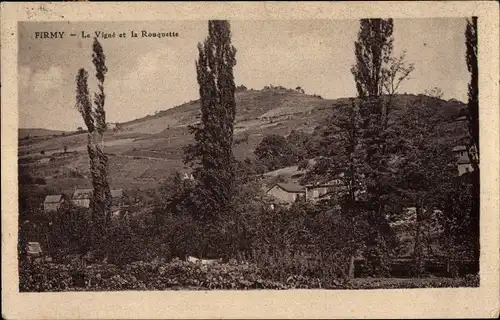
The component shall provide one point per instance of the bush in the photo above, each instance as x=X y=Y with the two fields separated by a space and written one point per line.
x=47 y=277
x=159 y=275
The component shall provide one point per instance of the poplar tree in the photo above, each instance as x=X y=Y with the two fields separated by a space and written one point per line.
x=95 y=120
x=473 y=115
x=211 y=155
x=373 y=51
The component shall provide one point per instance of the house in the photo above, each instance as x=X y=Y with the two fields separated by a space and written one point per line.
x=317 y=191
x=460 y=151
x=33 y=249
x=188 y=176
x=463 y=162
x=111 y=125
x=464 y=166
x=286 y=192
x=82 y=197
x=53 y=202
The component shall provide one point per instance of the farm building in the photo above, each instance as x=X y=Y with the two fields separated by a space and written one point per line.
x=286 y=192
x=53 y=202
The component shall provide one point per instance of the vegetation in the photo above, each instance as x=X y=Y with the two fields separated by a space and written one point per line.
x=95 y=120
x=400 y=209
x=212 y=155
x=473 y=117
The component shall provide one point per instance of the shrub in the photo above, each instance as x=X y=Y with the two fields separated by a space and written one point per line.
x=160 y=275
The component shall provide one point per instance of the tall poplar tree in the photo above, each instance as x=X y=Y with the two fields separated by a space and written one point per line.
x=211 y=155
x=373 y=51
x=473 y=115
x=95 y=120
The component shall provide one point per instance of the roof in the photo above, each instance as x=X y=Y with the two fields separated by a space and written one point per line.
x=87 y=193
x=56 y=198
x=331 y=183
x=459 y=148
x=287 y=171
x=117 y=193
x=290 y=187
x=82 y=194
x=34 y=247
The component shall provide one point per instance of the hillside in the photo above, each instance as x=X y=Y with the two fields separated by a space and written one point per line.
x=24 y=133
x=144 y=151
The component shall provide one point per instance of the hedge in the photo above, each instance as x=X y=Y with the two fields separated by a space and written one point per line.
x=50 y=277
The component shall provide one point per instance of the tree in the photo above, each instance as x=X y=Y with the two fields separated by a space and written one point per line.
x=473 y=90
x=360 y=138
x=95 y=120
x=473 y=116
x=211 y=156
x=425 y=166
x=274 y=152
x=373 y=52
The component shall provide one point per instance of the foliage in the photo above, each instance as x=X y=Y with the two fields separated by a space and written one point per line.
x=175 y=275
x=473 y=93
x=276 y=151
x=473 y=116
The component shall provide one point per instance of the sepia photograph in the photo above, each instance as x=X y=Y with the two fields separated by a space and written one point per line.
x=188 y=156
x=235 y=154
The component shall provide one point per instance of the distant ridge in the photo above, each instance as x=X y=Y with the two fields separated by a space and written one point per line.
x=38 y=132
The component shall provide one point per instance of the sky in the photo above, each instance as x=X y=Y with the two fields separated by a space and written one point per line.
x=150 y=74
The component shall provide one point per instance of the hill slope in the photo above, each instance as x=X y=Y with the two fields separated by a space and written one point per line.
x=37 y=132
x=144 y=151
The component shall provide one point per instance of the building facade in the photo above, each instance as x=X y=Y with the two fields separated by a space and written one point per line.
x=53 y=202
x=82 y=197
x=286 y=192
x=463 y=162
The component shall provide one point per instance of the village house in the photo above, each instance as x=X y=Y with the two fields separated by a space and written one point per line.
x=53 y=202
x=317 y=191
x=463 y=162
x=82 y=198
x=187 y=176
x=286 y=192
x=111 y=125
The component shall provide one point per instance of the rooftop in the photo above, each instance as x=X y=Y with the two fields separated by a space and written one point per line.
x=291 y=187
x=459 y=148
x=56 y=198
x=87 y=193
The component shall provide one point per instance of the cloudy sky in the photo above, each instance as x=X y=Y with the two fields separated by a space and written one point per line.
x=150 y=74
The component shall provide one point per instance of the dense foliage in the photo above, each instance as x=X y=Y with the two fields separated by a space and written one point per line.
x=276 y=151
x=158 y=275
